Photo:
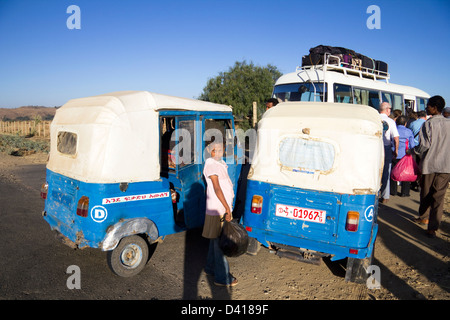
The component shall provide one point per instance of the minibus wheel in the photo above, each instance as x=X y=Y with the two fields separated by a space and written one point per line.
x=129 y=257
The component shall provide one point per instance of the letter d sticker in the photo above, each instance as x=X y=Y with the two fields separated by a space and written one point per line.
x=99 y=214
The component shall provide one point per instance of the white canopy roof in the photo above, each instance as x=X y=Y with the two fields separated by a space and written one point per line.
x=345 y=139
x=117 y=135
x=131 y=101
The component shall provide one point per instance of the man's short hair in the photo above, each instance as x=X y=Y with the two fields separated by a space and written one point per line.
x=438 y=102
x=422 y=114
x=273 y=100
x=401 y=120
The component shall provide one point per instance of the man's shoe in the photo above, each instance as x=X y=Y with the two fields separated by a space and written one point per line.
x=232 y=284
x=421 y=221
x=431 y=234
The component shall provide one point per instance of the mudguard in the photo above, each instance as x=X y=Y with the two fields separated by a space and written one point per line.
x=127 y=228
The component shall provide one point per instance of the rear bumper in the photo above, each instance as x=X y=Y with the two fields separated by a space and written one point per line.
x=331 y=238
x=269 y=239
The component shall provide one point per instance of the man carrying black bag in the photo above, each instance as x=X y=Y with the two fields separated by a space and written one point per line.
x=219 y=200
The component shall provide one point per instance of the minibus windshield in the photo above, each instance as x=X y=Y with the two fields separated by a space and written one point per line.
x=308 y=91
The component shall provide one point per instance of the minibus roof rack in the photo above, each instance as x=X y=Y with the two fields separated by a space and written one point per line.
x=334 y=63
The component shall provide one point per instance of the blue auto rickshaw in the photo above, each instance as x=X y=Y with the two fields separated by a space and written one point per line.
x=312 y=188
x=125 y=170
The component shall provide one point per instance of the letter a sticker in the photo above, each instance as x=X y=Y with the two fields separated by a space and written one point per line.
x=368 y=214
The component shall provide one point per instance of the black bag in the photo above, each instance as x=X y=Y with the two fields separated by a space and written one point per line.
x=368 y=63
x=321 y=49
x=234 y=239
x=341 y=50
x=312 y=59
x=381 y=66
x=331 y=50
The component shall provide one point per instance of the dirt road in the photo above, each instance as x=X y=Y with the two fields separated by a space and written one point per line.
x=34 y=264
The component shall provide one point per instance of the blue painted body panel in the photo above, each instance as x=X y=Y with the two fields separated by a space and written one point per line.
x=64 y=194
x=330 y=238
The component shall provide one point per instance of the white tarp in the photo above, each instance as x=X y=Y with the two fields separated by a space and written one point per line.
x=116 y=135
x=320 y=146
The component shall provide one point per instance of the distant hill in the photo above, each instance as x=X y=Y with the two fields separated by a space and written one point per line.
x=27 y=113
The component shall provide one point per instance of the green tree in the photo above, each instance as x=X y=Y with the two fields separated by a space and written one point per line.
x=242 y=84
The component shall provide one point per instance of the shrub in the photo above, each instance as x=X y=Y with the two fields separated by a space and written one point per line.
x=11 y=144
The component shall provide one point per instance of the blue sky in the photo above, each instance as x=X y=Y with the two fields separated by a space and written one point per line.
x=173 y=47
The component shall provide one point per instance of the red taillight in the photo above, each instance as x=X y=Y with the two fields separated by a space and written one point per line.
x=249 y=229
x=352 y=221
x=257 y=204
x=44 y=191
x=83 y=207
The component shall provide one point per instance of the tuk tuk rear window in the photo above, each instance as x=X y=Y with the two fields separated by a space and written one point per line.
x=306 y=155
x=67 y=143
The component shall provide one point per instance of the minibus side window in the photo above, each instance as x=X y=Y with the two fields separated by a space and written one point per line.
x=421 y=104
x=386 y=97
x=395 y=100
x=367 y=97
x=374 y=99
x=67 y=143
x=397 y=103
x=343 y=93
x=299 y=154
x=361 y=96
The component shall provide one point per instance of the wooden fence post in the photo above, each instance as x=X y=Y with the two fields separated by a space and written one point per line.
x=25 y=128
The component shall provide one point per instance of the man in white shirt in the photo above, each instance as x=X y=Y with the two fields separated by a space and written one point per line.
x=390 y=138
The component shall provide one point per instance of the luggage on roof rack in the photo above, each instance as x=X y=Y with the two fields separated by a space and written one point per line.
x=368 y=62
x=317 y=54
x=348 y=58
x=381 y=66
x=313 y=59
x=321 y=49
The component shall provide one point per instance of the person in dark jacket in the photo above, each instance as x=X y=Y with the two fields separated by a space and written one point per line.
x=434 y=152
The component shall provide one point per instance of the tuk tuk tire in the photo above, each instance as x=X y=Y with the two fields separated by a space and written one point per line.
x=129 y=257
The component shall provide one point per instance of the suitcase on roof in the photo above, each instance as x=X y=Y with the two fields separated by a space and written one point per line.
x=381 y=66
x=312 y=59
x=368 y=63
x=347 y=61
x=357 y=63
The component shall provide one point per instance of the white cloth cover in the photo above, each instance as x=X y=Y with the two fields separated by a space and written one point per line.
x=117 y=135
x=320 y=146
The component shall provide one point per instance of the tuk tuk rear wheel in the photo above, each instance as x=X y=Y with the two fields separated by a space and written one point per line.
x=129 y=257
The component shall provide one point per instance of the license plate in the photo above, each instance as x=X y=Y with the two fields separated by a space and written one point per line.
x=299 y=213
